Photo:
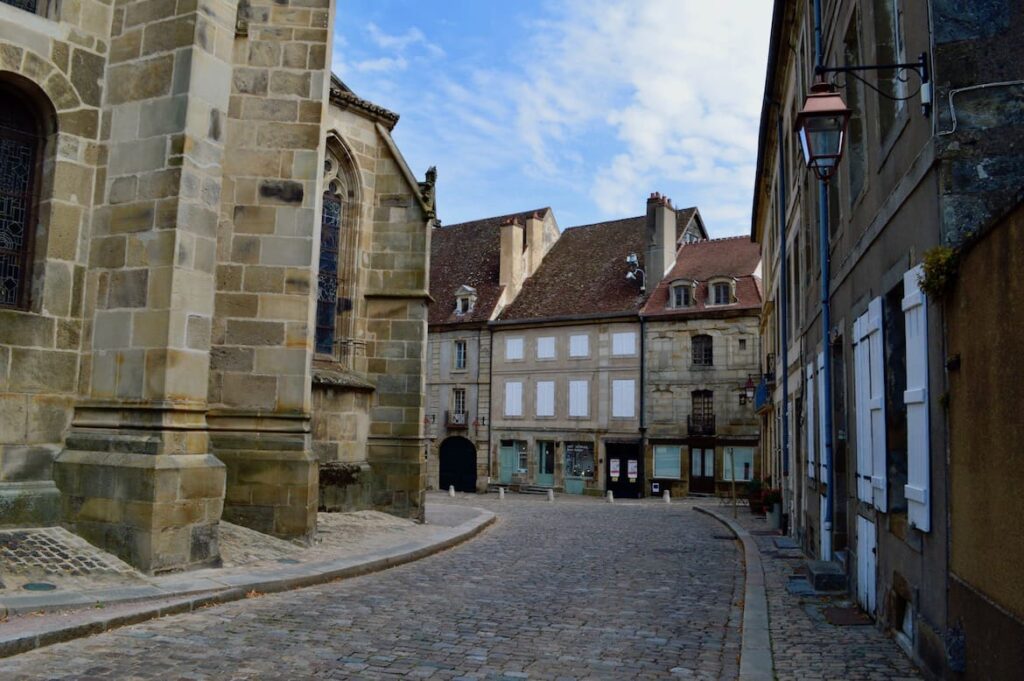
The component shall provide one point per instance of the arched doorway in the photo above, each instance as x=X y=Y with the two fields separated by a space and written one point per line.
x=457 y=465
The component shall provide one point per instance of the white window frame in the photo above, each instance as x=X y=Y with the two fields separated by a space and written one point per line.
x=456 y=393
x=624 y=344
x=546 y=348
x=513 y=399
x=545 y=404
x=514 y=348
x=624 y=398
x=665 y=456
x=464 y=355
x=718 y=286
x=578 y=341
x=579 y=399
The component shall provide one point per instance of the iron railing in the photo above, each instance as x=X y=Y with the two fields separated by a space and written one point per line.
x=700 y=425
x=456 y=419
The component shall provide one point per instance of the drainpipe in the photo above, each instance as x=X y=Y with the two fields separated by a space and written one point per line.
x=784 y=315
x=643 y=380
x=490 y=398
x=826 y=315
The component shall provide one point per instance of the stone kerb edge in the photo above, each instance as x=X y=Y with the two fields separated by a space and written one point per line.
x=756 y=662
x=463 y=532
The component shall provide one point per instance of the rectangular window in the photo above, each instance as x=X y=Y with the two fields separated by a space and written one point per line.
x=855 y=148
x=894 y=359
x=738 y=461
x=460 y=354
x=513 y=349
x=579 y=345
x=546 y=347
x=524 y=464
x=513 y=398
x=545 y=398
x=623 y=399
x=579 y=399
x=667 y=461
x=579 y=459
x=703 y=350
x=681 y=296
x=722 y=294
x=889 y=50
x=624 y=343
x=459 y=400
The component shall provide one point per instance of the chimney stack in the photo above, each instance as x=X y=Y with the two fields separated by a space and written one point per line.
x=661 y=238
x=510 y=271
x=534 y=242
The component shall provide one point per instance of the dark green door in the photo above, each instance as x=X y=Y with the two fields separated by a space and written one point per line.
x=546 y=464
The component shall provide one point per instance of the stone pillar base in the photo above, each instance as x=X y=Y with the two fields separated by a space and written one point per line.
x=272 y=481
x=344 y=487
x=33 y=503
x=399 y=476
x=158 y=512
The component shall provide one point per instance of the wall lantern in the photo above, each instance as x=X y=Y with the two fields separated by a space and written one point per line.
x=747 y=391
x=821 y=126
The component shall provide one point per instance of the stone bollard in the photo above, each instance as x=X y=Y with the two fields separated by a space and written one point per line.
x=668 y=497
x=451 y=490
x=501 y=494
x=611 y=497
x=551 y=495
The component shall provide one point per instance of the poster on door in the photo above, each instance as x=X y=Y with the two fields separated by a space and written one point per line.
x=613 y=469
x=631 y=469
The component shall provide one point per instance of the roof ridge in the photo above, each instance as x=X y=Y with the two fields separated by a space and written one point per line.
x=530 y=211
x=606 y=222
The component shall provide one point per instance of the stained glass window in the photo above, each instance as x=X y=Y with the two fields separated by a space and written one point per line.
x=327 y=278
x=27 y=5
x=18 y=145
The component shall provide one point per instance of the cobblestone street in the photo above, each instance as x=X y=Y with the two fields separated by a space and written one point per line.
x=574 y=589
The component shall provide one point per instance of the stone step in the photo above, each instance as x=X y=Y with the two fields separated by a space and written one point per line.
x=825 y=575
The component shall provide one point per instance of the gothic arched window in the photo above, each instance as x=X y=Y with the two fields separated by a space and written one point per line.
x=19 y=153
x=327 y=276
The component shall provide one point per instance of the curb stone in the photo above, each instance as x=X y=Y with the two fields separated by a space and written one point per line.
x=295 y=577
x=755 y=646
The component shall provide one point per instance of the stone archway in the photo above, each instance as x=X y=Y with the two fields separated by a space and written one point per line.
x=457 y=465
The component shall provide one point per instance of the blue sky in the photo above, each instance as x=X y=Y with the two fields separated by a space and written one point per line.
x=586 y=106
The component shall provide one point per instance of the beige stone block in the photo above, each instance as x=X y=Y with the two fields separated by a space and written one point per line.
x=197 y=334
x=160 y=287
x=310 y=112
x=86 y=73
x=10 y=55
x=131 y=217
x=288 y=136
x=43 y=370
x=269 y=109
x=69 y=334
x=22 y=328
x=82 y=123
x=187 y=375
x=236 y=305
x=264 y=53
x=171 y=34
x=112 y=330
x=149 y=329
x=229 y=277
x=286 y=251
x=247 y=81
x=137 y=80
x=281 y=361
x=297 y=281
x=148 y=11
x=249 y=391
x=254 y=219
x=296 y=56
x=289 y=82
x=245 y=250
x=232 y=359
x=13 y=419
x=48 y=418
x=264 y=280
x=126 y=46
x=284 y=307
x=127 y=288
x=245 y=332
x=131 y=374
x=62 y=240
x=245 y=162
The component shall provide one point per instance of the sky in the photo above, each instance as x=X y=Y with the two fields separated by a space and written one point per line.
x=586 y=106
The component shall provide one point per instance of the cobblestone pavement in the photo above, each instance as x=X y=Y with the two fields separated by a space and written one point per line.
x=804 y=644
x=573 y=589
x=54 y=555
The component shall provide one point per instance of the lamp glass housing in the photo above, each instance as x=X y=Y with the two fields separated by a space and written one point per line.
x=821 y=127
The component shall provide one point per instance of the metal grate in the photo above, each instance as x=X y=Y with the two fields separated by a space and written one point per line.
x=27 y=5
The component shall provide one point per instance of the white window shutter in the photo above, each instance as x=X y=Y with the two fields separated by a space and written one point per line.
x=513 y=398
x=513 y=348
x=809 y=421
x=578 y=399
x=876 y=403
x=861 y=380
x=822 y=435
x=579 y=346
x=624 y=343
x=915 y=311
x=546 y=347
x=545 y=398
x=623 y=398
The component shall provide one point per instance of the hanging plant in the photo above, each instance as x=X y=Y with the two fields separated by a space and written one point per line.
x=940 y=267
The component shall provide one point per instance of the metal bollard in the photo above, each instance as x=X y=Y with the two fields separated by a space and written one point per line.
x=501 y=494
x=551 y=495
x=668 y=497
x=451 y=490
x=611 y=497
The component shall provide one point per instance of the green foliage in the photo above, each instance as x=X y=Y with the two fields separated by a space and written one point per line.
x=772 y=497
x=940 y=268
x=754 y=486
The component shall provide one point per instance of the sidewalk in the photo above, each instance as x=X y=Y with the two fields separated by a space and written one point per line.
x=91 y=591
x=805 y=643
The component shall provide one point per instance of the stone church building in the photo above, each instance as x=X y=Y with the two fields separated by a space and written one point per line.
x=213 y=273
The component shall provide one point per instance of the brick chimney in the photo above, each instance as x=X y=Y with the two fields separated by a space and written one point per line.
x=510 y=271
x=661 y=238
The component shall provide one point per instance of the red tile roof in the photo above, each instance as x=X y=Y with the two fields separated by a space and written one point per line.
x=468 y=254
x=735 y=257
x=584 y=273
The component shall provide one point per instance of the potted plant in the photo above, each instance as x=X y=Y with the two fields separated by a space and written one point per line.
x=773 y=503
x=754 y=496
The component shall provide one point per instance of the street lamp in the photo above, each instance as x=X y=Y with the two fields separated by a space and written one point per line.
x=821 y=126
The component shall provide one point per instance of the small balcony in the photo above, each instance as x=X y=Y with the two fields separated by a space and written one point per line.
x=700 y=425
x=456 y=419
x=763 y=394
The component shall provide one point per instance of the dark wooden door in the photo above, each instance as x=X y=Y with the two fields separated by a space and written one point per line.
x=624 y=470
x=702 y=470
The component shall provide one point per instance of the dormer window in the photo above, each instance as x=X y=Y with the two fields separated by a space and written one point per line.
x=681 y=293
x=722 y=291
x=465 y=299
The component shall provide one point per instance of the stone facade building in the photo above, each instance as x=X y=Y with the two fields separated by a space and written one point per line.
x=158 y=266
x=477 y=268
x=700 y=329
x=918 y=432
